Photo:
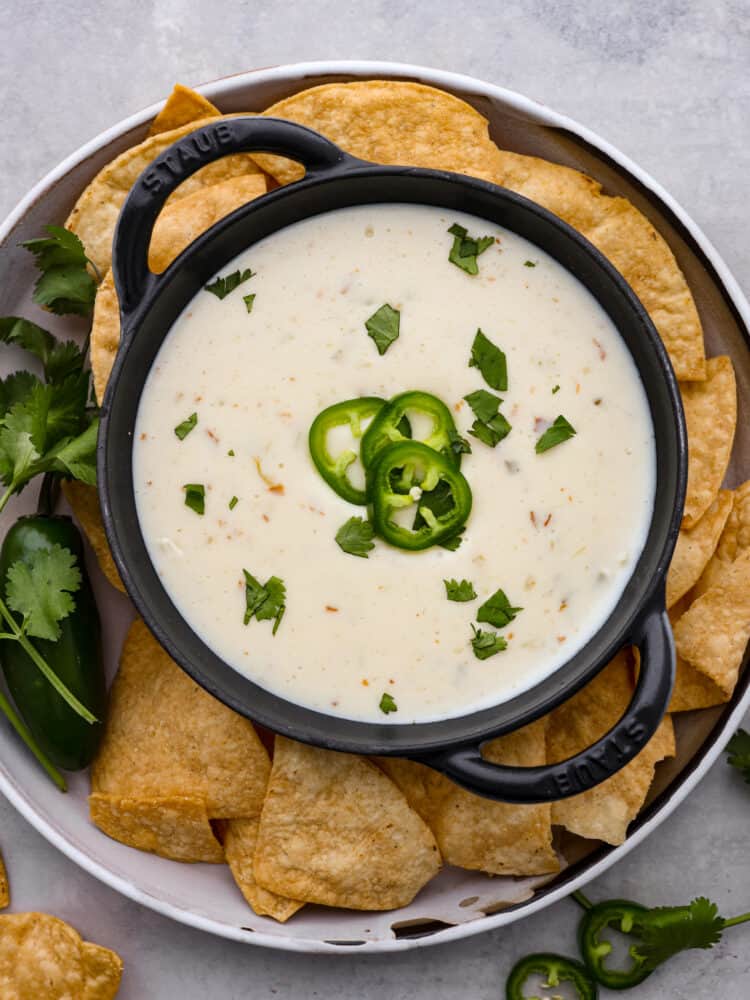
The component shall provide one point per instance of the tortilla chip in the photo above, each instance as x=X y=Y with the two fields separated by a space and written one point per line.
x=4 y=887
x=693 y=689
x=711 y=418
x=389 y=121
x=176 y=228
x=43 y=958
x=627 y=239
x=605 y=811
x=335 y=830
x=713 y=633
x=182 y=107
x=84 y=502
x=175 y=827
x=734 y=540
x=95 y=214
x=239 y=846
x=473 y=832
x=167 y=737
x=695 y=546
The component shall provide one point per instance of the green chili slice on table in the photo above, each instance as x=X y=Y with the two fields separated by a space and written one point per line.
x=334 y=467
x=388 y=428
x=620 y=915
x=556 y=969
x=411 y=474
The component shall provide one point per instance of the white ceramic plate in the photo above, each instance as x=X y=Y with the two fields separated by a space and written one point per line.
x=457 y=903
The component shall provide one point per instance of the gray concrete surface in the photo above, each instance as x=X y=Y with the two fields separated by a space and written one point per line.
x=667 y=81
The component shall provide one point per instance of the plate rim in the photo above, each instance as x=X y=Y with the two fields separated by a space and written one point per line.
x=713 y=744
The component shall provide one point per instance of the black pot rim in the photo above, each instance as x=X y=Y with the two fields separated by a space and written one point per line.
x=419 y=739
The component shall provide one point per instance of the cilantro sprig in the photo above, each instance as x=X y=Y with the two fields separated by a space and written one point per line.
x=65 y=285
x=486 y=644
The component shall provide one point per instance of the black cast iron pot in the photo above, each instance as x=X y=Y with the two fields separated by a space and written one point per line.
x=149 y=305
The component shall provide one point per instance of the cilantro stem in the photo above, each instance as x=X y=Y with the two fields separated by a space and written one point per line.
x=6 y=496
x=20 y=727
x=733 y=921
x=583 y=901
x=28 y=647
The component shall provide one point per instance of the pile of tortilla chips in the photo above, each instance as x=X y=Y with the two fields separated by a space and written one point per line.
x=181 y=775
x=43 y=958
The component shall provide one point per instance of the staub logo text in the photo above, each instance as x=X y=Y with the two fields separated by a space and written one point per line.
x=602 y=761
x=190 y=153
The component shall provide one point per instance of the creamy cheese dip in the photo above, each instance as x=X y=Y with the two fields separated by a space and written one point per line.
x=559 y=532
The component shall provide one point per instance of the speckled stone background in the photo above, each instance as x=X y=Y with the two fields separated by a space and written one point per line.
x=667 y=81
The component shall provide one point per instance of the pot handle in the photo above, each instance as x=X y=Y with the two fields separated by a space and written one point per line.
x=467 y=767
x=133 y=279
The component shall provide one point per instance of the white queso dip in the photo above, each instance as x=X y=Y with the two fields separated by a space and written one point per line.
x=308 y=593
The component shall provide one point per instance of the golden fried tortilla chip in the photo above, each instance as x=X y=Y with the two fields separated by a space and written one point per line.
x=182 y=107
x=43 y=958
x=176 y=228
x=695 y=546
x=336 y=830
x=84 y=502
x=95 y=214
x=170 y=749
x=713 y=633
x=166 y=736
x=473 y=832
x=4 y=886
x=175 y=827
x=390 y=121
x=627 y=238
x=239 y=846
x=604 y=812
x=734 y=540
x=692 y=689
x=711 y=418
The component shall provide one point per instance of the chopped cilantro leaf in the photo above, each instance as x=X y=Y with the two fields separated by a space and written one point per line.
x=491 y=432
x=452 y=543
x=529 y=263
x=233 y=502
x=355 y=537
x=466 y=249
x=461 y=592
x=486 y=644
x=41 y=588
x=555 y=388
x=231 y=453
x=484 y=404
x=458 y=445
x=490 y=361
x=384 y=326
x=195 y=497
x=387 y=704
x=65 y=286
x=560 y=431
x=249 y=300
x=222 y=286
x=738 y=753
x=182 y=430
x=265 y=601
x=497 y=610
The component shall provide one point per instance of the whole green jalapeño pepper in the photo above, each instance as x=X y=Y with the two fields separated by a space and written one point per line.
x=67 y=739
x=387 y=427
x=556 y=969
x=412 y=474
x=333 y=468
x=621 y=915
